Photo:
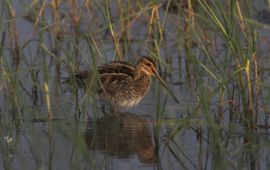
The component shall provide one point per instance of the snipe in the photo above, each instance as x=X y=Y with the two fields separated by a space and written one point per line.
x=122 y=84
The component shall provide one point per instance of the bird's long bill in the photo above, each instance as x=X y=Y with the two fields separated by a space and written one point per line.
x=164 y=84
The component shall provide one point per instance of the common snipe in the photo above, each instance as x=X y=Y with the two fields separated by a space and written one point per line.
x=122 y=84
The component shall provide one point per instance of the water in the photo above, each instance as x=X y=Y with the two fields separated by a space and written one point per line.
x=81 y=137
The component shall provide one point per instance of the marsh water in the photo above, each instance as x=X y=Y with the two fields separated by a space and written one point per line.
x=197 y=133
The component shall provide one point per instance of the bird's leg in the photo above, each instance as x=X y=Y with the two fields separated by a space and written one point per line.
x=117 y=114
x=107 y=110
x=103 y=109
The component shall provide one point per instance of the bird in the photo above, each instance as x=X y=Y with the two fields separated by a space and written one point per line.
x=121 y=84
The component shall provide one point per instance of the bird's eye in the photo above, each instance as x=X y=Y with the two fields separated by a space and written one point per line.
x=148 y=64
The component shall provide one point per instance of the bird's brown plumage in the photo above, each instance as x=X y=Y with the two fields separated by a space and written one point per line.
x=122 y=84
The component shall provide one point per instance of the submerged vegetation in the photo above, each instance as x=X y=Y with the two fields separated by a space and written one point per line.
x=214 y=54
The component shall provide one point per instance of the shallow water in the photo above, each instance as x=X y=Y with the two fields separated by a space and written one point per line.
x=138 y=141
x=156 y=134
x=91 y=142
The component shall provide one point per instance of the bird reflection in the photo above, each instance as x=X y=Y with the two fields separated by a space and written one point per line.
x=131 y=137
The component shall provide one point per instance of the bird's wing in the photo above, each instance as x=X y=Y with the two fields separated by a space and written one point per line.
x=115 y=75
x=118 y=67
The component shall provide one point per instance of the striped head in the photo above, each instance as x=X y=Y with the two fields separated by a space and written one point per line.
x=147 y=66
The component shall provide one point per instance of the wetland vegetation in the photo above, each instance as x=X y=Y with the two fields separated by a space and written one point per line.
x=213 y=54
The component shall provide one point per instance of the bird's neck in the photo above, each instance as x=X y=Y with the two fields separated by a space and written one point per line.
x=139 y=73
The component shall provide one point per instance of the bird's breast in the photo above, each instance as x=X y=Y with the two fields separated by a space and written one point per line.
x=125 y=92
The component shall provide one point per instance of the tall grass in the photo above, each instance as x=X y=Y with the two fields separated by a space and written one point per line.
x=216 y=46
x=234 y=75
